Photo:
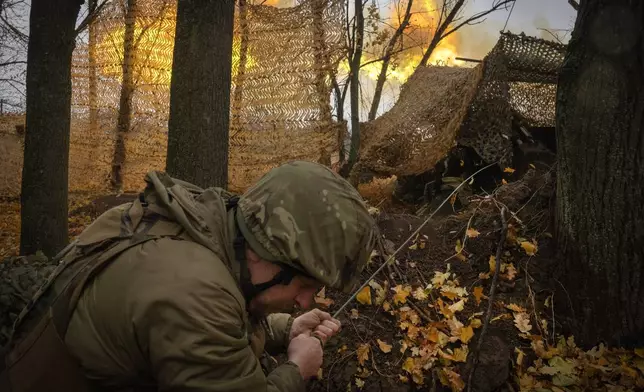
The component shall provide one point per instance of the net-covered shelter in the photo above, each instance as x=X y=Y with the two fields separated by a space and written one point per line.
x=441 y=107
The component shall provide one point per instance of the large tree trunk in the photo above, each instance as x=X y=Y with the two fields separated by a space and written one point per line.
x=200 y=92
x=600 y=188
x=43 y=196
x=125 y=99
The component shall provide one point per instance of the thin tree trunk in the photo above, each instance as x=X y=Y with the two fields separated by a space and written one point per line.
x=43 y=198
x=382 y=76
x=600 y=180
x=93 y=108
x=125 y=100
x=355 y=86
x=198 y=127
x=440 y=31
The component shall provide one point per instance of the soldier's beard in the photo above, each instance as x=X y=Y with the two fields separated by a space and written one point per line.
x=261 y=306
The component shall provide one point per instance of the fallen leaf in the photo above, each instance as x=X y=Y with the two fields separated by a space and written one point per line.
x=520 y=356
x=462 y=163
x=472 y=233
x=522 y=322
x=419 y=294
x=384 y=347
x=364 y=296
x=639 y=352
x=458 y=306
x=453 y=380
x=503 y=181
x=453 y=292
x=401 y=294
x=516 y=308
x=466 y=334
x=354 y=314
x=508 y=170
x=413 y=246
x=408 y=365
x=478 y=294
x=359 y=383
x=380 y=292
x=386 y=306
x=476 y=323
x=363 y=353
x=530 y=248
x=320 y=299
x=342 y=349
x=439 y=278
x=510 y=272
x=492 y=263
x=319 y=373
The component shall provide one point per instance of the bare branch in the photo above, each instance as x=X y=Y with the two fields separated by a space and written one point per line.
x=476 y=17
x=91 y=16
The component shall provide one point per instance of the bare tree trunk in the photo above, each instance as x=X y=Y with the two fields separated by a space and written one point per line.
x=198 y=127
x=382 y=76
x=440 y=30
x=43 y=197
x=355 y=85
x=125 y=100
x=600 y=181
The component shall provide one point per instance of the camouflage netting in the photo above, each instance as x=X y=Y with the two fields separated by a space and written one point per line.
x=440 y=106
x=280 y=96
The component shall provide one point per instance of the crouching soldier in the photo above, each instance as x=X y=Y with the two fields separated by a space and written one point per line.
x=183 y=289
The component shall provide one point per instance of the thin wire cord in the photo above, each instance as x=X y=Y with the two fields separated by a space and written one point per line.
x=510 y=14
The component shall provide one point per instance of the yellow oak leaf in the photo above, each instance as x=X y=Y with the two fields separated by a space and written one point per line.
x=401 y=294
x=342 y=349
x=530 y=248
x=364 y=296
x=466 y=334
x=363 y=353
x=419 y=294
x=472 y=233
x=508 y=170
x=522 y=322
x=408 y=365
x=384 y=347
x=520 y=355
x=478 y=294
x=386 y=306
x=510 y=271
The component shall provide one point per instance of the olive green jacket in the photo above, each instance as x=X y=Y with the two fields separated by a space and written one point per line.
x=169 y=314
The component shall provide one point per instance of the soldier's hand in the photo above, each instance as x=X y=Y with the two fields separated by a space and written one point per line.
x=306 y=352
x=316 y=321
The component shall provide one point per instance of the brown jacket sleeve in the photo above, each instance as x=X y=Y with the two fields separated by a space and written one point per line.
x=280 y=324
x=193 y=329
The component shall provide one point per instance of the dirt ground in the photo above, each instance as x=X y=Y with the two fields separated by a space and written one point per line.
x=418 y=324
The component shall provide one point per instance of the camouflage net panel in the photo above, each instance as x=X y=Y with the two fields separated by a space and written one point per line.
x=519 y=80
x=421 y=127
x=439 y=106
x=280 y=96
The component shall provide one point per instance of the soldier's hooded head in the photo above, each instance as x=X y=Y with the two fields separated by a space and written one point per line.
x=306 y=219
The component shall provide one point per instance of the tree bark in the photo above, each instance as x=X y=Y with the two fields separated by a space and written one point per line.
x=198 y=126
x=382 y=76
x=600 y=181
x=355 y=86
x=125 y=99
x=93 y=93
x=43 y=198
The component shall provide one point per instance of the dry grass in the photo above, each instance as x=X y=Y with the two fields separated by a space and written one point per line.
x=378 y=192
